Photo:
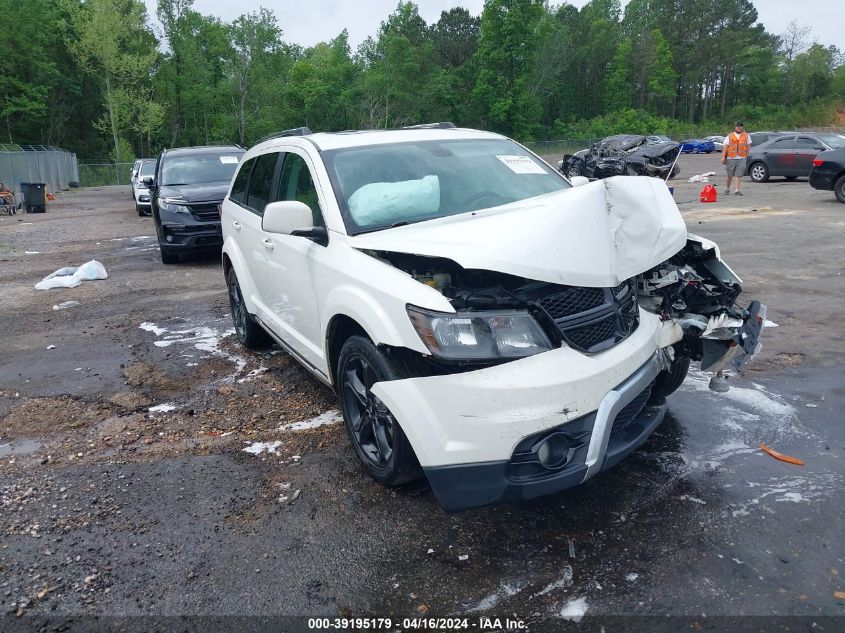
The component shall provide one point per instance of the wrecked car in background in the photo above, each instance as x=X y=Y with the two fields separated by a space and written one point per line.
x=483 y=322
x=624 y=155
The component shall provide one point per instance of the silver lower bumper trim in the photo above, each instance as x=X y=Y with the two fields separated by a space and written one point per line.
x=610 y=406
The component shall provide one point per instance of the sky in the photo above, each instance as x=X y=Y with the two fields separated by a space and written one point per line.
x=307 y=23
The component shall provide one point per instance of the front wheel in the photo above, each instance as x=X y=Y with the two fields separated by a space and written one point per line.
x=669 y=380
x=759 y=172
x=376 y=436
x=573 y=171
x=839 y=189
x=167 y=256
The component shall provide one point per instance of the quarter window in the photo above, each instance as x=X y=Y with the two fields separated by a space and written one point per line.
x=238 y=193
x=806 y=143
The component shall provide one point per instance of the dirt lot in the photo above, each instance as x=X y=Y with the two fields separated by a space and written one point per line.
x=127 y=490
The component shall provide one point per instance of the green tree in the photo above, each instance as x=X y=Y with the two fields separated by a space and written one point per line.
x=111 y=41
x=506 y=56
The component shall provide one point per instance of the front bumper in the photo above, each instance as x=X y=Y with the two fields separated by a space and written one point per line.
x=465 y=427
x=180 y=231
x=601 y=440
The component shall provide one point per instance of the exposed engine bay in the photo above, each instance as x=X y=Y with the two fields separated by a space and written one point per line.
x=693 y=292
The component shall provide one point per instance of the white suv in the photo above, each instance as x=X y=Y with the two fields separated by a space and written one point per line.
x=483 y=321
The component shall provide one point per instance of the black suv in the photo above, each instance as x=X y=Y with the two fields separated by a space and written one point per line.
x=828 y=172
x=188 y=187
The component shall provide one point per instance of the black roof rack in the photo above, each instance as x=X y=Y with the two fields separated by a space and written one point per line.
x=297 y=131
x=442 y=125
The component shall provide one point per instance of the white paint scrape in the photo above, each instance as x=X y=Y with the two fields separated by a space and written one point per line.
x=203 y=338
x=564 y=582
x=256 y=448
x=506 y=590
x=162 y=408
x=574 y=610
x=329 y=417
x=152 y=327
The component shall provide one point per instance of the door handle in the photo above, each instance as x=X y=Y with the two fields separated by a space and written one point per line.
x=237 y=225
x=268 y=243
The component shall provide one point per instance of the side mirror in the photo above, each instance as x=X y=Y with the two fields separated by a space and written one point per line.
x=149 y=182
x=287 y=216
x=577 y=181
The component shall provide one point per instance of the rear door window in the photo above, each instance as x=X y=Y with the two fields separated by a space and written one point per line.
x=261 y=182
x=239 y=187
x=784 y=143
x=804 y=142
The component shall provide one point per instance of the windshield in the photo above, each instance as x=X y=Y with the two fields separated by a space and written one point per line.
x=199 y=168
x=148 y=168
x=835 y=141
x=379 y=186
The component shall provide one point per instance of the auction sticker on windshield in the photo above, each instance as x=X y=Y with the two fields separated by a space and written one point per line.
x=521 y=165
x=230 y=160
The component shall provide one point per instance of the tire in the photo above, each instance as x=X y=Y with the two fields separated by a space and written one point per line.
x=249 y=333
x=167 y=256
x=839 y=189
x=759 y=172
x=139 y=210
x=668 y=381
x=573 y=171
x=378 y=440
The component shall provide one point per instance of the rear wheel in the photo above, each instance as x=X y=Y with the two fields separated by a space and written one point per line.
x=759 y=172
x=574 y=170
x=376 y=436
x=139 y=209
x=250 y=334
x=839 y=189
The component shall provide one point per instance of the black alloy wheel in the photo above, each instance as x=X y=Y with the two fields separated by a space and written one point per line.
x=371 y=423
x=249 y=333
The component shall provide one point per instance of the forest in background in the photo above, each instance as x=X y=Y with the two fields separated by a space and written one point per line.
x=103 y=79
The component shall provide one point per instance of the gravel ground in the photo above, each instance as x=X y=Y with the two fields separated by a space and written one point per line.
x=126 y=489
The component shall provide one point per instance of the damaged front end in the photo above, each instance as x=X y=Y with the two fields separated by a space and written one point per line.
x=697 y=292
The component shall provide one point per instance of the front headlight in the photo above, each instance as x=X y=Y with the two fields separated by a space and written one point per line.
x=479 y=335
x=174 y=205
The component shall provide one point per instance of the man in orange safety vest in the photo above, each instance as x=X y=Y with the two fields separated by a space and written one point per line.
x=735 y=154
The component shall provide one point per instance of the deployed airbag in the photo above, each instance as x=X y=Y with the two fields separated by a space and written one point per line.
x=391 y=202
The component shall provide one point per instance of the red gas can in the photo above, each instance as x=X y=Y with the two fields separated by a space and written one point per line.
x=709 y=193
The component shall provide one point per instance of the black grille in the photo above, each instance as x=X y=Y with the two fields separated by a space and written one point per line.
x=593 y=319
x=205 y=212
x=572 y=300
x=589 y=336
x=631 y=410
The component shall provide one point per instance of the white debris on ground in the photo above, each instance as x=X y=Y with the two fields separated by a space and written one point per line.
x=631 y=577
x=705 y=177
x=256 y=448
x=64 y=305
x=162 y=408
x=329 y=417
x=574 y=610
x=768 y=323
x=253 y=374
x=32 y=252
x=563 y=582
x=506 y=590
x=72 y=276
x=693 y=499
x=203 y=338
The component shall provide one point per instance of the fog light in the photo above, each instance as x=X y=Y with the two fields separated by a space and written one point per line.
x=169 y=238
x=553 y=451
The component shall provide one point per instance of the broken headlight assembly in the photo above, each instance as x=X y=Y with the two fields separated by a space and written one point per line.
x=477 y=336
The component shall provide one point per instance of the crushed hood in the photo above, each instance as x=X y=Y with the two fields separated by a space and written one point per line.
x=595 y=235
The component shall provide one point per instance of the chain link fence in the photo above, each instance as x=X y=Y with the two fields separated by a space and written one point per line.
x=103 y=173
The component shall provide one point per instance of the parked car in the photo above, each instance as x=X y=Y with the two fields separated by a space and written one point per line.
x=718 y=141
x=623 y=154
x=790 y=156
x=483 y=322
x=697 y=146
x=140 y=191
x=186 y=192
x=828 y=172
x=133 y=174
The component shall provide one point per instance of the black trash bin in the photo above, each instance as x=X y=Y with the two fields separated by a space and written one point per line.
x=34 y=197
